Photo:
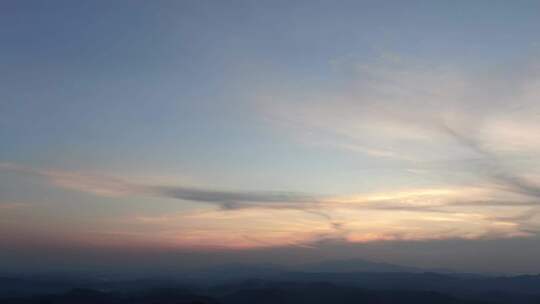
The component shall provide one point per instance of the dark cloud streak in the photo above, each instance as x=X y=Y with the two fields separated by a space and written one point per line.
x=493 y=168
x=236 y=199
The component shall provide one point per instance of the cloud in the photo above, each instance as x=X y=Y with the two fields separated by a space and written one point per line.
x=447 y=124
x=494 y=168
x=425 y=213
x=398 y=110
x=425 y=200
x=103 y=185
x=387 y=110
x=236 y=200
x=12 y=206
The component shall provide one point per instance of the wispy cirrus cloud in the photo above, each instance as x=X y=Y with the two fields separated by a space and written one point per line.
x=408 y=214
x=428 y=198
x=12 y=205
x=450 y=125
x=394 y=110
x=104 y=185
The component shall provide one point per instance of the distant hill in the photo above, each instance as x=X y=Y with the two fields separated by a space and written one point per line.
x=321 y=293
x=239 y=270
x=385 y=284
x=355 y=265
x=277 y=293
x=517 y=289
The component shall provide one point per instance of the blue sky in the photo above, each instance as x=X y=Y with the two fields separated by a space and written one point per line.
x=169 y=124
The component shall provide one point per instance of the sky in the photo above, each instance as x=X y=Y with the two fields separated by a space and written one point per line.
x=197 y=132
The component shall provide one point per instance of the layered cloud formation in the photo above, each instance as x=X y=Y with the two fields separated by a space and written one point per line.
x=465 y=141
